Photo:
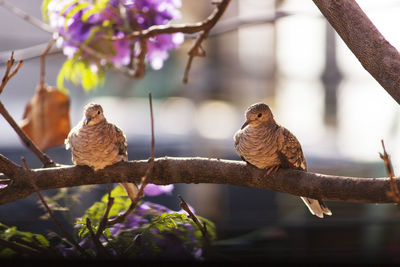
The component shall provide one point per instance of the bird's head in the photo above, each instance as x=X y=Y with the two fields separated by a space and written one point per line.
x=93 y=114
x=257 y=114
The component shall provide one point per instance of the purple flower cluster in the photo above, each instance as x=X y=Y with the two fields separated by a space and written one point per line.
x=151 y=232
x=93 y=23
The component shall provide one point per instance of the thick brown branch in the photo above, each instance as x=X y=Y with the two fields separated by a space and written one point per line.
x=201 y=170
x=375 y=53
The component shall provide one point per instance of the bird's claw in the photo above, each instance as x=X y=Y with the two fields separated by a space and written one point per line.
x=272 y=169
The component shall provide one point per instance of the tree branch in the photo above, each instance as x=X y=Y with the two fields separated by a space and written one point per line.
x=375 y=53
x=169 y=170
x=3 y=111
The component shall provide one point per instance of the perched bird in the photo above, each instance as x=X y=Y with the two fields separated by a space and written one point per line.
x=267 y=145
x=96 y=143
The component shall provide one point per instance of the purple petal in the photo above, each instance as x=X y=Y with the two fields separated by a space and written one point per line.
x=156 y=190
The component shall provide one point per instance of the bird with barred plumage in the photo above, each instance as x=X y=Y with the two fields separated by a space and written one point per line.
x=267 y=145
x=97 y=143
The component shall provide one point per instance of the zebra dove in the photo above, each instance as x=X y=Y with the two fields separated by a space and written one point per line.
x=96 y=143
x=267 y=145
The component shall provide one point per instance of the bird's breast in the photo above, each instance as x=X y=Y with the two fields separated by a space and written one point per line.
x=258 y=146
x=95 y=147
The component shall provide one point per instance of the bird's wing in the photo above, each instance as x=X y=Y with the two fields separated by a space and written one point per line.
x=121 y=141
x=290 y=151
x=68 y=141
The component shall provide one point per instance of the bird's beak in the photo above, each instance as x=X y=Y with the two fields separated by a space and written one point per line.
x=245 y=124
x=88 y=120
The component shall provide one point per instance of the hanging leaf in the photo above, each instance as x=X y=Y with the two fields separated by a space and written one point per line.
x=46 y=117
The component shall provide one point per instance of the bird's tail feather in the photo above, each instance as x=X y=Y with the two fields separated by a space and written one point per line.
x=316 y=207
x=131 y=189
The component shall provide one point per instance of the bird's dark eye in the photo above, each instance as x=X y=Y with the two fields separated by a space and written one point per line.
x=259 y=115
x=98 y=112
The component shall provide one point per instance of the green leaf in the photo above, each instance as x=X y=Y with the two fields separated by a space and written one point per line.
x=96 y=212
x=63 y=73
x=31 y=240
x=78 y=71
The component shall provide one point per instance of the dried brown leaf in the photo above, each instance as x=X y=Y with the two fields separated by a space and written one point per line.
x=46 y=117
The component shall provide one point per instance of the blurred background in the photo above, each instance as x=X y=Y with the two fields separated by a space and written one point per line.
x=283 y=53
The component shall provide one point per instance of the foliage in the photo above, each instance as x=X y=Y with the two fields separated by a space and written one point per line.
x=151 y=232
x=26 y=239
x=93 y=24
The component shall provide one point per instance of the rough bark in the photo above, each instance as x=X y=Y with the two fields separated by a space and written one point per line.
x=201 y=170
x=374 y=52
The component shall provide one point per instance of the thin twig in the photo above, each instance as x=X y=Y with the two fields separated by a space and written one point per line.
x=22 y=14
x=104 y=219
x=145 y=178
x=43 y=62
x=56 y=222
x=101 y=250
x=7 y=76
x=196 y=49
x=141 y=64
x=193 y=217
x=394 y=193
x=47 y=162
x=223 y=27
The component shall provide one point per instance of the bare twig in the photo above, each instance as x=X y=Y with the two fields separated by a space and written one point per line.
x=101 y=250
x=223 y=27
x=193 y=217
x=394 y=190
x=7 y=76
x=196 y=50
x=233 y=24
x=52 y=216
x=145 y=178
x=141 y=65
x=104 y=219
x=43 y=62
x=22 y=14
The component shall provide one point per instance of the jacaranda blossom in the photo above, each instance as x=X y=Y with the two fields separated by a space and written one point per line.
x=94 y=22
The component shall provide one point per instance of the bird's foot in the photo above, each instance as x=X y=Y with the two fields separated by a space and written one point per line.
x=272 y=169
